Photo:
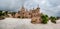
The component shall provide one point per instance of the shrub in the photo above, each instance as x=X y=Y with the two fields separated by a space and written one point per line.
x=53 y=19
x=44 y=19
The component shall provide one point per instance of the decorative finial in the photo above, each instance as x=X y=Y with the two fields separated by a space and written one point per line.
x=22 y=6
x=38 y=7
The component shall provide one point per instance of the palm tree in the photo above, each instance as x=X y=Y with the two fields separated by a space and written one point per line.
x=44 y=18
x=53 y=19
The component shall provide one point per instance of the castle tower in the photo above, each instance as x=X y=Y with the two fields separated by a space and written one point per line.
x=36 y=15
x=38 y=8
x=22 y=8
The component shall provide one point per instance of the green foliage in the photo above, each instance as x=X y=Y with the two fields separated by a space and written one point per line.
x=13 y=13
x=6 y=12
x=1 y=13
x=53 y=19
x=44 y=18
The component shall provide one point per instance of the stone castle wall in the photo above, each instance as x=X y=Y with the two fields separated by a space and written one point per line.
x=33 y=14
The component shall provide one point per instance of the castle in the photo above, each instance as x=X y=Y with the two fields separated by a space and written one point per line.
x=34 y=14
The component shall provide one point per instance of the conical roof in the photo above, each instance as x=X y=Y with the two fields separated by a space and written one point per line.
x=22 y=8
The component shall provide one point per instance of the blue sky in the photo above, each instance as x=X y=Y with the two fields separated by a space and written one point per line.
x=50 y=7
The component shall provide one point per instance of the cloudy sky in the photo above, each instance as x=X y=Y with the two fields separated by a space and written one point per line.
x=50 y=7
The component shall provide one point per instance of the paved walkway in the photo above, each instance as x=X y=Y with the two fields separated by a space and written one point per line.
x=14 y=23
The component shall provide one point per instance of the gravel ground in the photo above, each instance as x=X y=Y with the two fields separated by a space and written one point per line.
x=14 y=23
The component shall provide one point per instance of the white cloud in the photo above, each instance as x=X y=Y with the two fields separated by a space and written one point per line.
x=50 y=7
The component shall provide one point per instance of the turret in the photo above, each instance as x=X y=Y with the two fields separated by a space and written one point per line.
x=38 y=8
x=22 y=8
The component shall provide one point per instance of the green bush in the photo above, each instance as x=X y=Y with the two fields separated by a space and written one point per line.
x=53 y=19
x=44 y=19
x=1 y=14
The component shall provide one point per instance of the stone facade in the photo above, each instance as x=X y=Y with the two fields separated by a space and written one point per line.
x=33 y=14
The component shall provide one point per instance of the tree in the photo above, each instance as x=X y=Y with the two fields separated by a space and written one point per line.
x=6 y=12
x=1 y=15
x=53 y=19
x=13 y=14
x=44 y=18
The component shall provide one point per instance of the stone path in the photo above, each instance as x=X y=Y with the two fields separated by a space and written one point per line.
x=14 y=23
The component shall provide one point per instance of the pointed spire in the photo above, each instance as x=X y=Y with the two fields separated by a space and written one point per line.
x=22 y=8
x=38 y=6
